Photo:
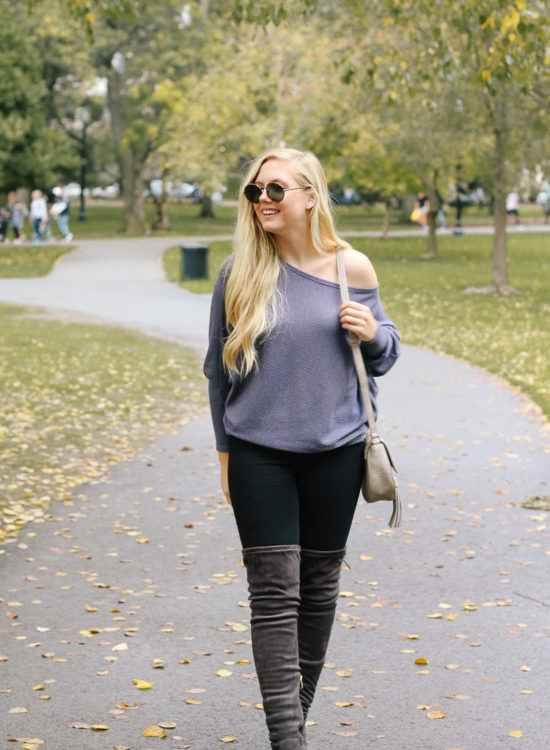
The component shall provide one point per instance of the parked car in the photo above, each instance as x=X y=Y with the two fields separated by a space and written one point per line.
x=111 y=191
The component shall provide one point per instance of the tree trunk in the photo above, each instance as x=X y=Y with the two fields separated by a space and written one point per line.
x=499 y=278
x=207 y=211
x=131 y=164
x=431 y=192
x=114 y=102
x=132 y=182
x=386 y=224
x=160 y=221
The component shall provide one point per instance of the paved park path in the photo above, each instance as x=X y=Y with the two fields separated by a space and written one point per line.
x=442 y=634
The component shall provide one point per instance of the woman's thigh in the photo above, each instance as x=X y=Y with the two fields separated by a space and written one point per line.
x=328 y=486
x=264 y=495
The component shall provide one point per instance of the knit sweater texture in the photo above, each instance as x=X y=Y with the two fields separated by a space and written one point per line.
x=304 y=396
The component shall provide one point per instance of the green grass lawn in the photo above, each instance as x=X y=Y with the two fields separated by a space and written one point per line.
x=508 y=336
x=24 y=261
x=78 y=398
x=107 y=220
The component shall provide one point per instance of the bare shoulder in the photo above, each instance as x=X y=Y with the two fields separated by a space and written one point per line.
x=359 y=269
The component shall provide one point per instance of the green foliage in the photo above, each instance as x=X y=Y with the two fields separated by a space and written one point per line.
x=21 y=115
x=269 y=11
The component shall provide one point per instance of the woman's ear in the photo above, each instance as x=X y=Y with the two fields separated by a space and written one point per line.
x=310 y=204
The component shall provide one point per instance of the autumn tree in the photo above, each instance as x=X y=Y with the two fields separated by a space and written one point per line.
x=264 y=87
x=30 y=150
x=497 y=50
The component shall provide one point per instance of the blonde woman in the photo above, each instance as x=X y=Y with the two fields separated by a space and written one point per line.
x=288 y=417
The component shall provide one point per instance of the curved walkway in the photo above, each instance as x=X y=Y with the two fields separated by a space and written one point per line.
x=119 y=281
x=138 y=577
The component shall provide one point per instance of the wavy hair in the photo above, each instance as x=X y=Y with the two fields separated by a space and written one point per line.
x=250 y=292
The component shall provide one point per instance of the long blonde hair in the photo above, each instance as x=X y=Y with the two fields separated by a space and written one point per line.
x=250 y=299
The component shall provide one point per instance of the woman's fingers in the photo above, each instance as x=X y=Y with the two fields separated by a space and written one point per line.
x=358 y=319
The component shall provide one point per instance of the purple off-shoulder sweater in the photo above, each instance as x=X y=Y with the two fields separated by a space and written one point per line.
x=304 y=397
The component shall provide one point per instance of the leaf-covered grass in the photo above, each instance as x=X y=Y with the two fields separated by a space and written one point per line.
x=78 y=398
x=508 y=336
x=24 y=261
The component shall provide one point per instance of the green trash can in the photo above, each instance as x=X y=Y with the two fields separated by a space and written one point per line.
x=194 y=262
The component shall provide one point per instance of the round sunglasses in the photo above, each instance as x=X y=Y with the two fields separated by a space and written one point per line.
x=273 y=190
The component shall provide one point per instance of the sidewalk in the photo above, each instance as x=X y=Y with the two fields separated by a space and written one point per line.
x=145 y=566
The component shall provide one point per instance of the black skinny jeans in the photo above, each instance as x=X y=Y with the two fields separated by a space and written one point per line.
x=281 y=497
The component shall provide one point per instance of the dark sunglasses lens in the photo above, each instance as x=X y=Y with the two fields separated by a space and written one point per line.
x=252 y=192
x=275 y=191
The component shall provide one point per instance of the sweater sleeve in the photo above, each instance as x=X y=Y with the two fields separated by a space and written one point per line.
x=218 y=379
x=381 y=353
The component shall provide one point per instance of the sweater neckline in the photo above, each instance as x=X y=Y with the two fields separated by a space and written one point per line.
x=326 y=282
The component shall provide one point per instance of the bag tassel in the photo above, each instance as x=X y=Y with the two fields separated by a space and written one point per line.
x=396 y=519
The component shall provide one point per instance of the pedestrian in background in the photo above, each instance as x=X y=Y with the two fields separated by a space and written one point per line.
x=60 y=211
x=4 y=223
x=289 y=419
x=18 y=211
x=512 y=206
x=420 y=211
x=39 y=216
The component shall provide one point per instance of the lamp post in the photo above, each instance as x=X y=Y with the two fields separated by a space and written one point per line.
x=459 y=204
x=84 y=118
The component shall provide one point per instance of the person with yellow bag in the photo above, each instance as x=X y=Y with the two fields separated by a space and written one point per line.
x=420 y=211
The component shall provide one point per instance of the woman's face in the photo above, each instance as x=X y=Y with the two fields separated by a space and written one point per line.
x=292 y=212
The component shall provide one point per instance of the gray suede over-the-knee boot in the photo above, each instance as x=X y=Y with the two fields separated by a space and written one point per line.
x=274 y=590
x=319 y=590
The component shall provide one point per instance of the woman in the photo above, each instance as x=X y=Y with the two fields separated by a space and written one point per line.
x=288 y=417
x=39 y=216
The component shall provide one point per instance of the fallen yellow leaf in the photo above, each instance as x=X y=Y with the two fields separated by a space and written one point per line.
x=436 y=714
x=143 y=685
x=515 y=733
x=154 y=731
x=227 y=739
x=344 y=672
x=421 y=661
x=223 y=673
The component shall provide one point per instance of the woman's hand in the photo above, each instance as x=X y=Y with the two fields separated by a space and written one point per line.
x=358 y=319
x=224 y=462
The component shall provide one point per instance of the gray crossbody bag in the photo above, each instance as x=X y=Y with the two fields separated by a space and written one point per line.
x=379 y=480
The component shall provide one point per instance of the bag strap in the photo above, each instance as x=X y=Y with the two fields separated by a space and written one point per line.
x=355 y=348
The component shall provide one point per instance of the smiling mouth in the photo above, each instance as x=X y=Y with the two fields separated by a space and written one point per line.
x=269 y=212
